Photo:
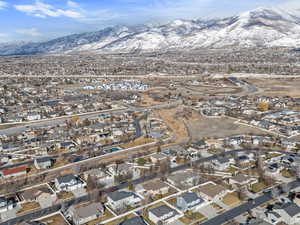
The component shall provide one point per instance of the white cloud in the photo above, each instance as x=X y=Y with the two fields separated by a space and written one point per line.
x=43 y=10
x=72 y=4
x=3 y=4
x=33 y=32
x=290 y=4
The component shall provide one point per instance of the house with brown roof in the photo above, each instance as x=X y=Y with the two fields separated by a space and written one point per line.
x=85 y=213
x=152 y=188
x=243 y=180
x=212 y=191
x=41 y=194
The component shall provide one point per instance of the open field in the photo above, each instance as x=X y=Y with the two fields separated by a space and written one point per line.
x=277 y=87
x=219 y=128
x=175 y=124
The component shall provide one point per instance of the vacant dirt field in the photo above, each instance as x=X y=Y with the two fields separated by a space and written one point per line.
x=176 y=124
x=215 y=127
x=277 y=87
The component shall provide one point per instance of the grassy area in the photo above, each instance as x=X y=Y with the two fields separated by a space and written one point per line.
x=137 y=142
x=286 y=173
x=7 y=126
x=231 y=200
x=28 y=207
x=107 y=215
x=64 y=195
x=232 y=170
x=174 y=123
x=193 y=217
x=273 y=155
x=54 y=220
x=257 y=187
x=172 y=201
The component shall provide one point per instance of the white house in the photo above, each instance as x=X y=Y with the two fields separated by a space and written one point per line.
x=164 y=214
x=68 y=183
x=289 y=212
x=221 y=163
x=5 y=204
x=86 y=213
x=120 y=199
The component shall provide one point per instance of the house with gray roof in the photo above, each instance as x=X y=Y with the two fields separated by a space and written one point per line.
x=289 y=212
x=120 y=199
x=221 y=163
x=189 y=201
x=68 y=183
x=185 y=178
x=134 y=221
x=85 y=213
x=164 y=214
x=257 y=221
x=43 y=163
x=5 y=204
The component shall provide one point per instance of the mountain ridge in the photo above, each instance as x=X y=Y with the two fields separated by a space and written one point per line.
x=262 y=27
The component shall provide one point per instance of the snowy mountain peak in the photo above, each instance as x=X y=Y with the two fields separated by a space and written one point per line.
x=265 y=27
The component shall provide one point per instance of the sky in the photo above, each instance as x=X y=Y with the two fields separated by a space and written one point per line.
x=38 y=20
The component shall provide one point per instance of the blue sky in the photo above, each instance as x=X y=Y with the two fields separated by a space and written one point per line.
x=45 y=19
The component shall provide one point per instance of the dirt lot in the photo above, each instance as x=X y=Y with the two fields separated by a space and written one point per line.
x=215 y=127
x=277 y=87
x=137 y=142
x=55 y=220
x=175 y=123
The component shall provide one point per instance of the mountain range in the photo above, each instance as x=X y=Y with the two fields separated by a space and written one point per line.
x=262 y=27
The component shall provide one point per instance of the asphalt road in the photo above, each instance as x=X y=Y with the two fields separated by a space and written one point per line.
x=215 y=221
x=232 y=213
x=52 y=122
x=248 y=87
x=138 y=133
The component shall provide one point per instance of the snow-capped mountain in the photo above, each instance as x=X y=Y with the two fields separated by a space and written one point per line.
x=261 y=27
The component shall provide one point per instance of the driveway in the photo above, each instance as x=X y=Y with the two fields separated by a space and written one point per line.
x=10 y=214
x=208 y=211
x=79 y=192
x=176 y=222
x=45 y=203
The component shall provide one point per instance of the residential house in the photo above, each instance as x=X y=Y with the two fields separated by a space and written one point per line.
x=242 y=180
x=189 y=201
x=120 y=199
x=212 y=191
x=186 y=178
x=43 y=163
x=120 y=169
x=289 y=212
x=164 y=214
x=68 y=183
x=153 y=188
x=158 y=157
x=13 y=172
x=39 y=194
x=220 y=163
x=85 y=213
x=257 y=221
x=134 y=221
x=100 y=176
x=5 y=204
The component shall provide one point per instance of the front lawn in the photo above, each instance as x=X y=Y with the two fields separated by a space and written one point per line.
x=258 y=187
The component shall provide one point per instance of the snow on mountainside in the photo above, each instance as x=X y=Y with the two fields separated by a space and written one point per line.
x=257 y=28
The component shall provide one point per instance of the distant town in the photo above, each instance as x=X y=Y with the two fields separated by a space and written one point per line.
x=204 y=149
